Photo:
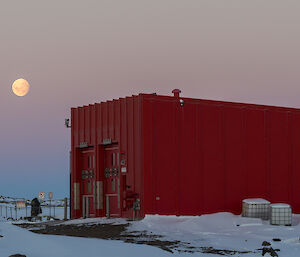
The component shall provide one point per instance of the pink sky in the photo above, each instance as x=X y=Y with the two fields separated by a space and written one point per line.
x=80 y=52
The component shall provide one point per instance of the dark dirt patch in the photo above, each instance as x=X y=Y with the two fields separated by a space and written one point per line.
x=103 y=231
x=222 y=251
x=120 y=232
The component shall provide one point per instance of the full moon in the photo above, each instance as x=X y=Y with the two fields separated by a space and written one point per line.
x=20 y=87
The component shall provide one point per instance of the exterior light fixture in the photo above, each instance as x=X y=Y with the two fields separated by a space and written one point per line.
x=67 y=123
x=181 y=102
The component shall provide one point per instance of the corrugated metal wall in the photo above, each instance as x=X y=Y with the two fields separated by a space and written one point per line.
x=202 y=157
x=118 y=120
x=207 y=156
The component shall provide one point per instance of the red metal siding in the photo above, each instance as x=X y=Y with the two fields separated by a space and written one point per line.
x=147 y=148
x=256 y=153
x=164 y=158
x=295 y=160
x=202 y=157
x=213 y=173
x=120 y=121
x=190 y=198
x=279 y=161
x=130 y=143
x=207 y=156
x=234 y=156
x=81 y=124
x=138 y=172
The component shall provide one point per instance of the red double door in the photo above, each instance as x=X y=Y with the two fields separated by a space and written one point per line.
x=112 y=181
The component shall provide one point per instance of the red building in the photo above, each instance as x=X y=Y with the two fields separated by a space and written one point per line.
x=153 y=154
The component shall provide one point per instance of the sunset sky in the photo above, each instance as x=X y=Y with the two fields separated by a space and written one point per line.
x=81 y=52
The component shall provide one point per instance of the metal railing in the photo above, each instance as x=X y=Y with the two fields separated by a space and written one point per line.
x=49 y=211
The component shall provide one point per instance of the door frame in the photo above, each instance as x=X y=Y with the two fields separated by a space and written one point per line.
x=107 y=195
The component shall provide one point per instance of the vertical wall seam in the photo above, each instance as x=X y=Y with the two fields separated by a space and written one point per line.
x=120 y=157
x=107 y=120
x=114 y=120
x=90 y=124
x=141 y=150
x=133 y=142
x=153 y=190
x=268 y=144
x=245 y=153
x=154 y=170
x=178 y=119
x=222 y=115
x=290 y=157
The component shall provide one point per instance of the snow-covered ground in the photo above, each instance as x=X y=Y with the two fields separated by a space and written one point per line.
x=18 y=240
x=220 y=231
x=226 y=231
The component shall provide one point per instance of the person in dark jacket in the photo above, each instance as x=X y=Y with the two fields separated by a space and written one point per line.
x=35 y=207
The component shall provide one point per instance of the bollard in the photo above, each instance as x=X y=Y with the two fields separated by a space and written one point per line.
x=6 y=212
x=65 y=208
x=26 y=209
x=11 y=212
x=16 y=213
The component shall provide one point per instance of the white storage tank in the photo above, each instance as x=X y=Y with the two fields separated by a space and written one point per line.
x=280 y=214
x=256 y=208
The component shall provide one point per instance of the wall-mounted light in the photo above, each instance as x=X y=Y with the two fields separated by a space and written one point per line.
x=67 y=123
x=181 y=102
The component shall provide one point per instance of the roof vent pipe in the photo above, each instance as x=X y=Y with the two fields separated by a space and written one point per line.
x=176 y=92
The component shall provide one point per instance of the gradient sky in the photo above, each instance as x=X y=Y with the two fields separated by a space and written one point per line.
x=80 y=52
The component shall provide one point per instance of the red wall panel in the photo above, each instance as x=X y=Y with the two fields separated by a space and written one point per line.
x=278 y=150
x=189 y=177
x=99 y=128
x=164 y=158
x=81 y=124
x=130 y=143
x=295 y=160
x=256 y=154
x=117 y=120
x=147 y=148
x=138 y=172
x=213 y=159
x=111 y=119
x=92 y=109
x=104 y=108
x=234 y=156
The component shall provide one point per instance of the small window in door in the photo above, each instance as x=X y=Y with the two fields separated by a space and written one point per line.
x=89 y=187
x=88 y=161
x=113 y=185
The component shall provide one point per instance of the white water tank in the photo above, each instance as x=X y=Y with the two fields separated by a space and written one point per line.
x=256 y=208
x=280 y=214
